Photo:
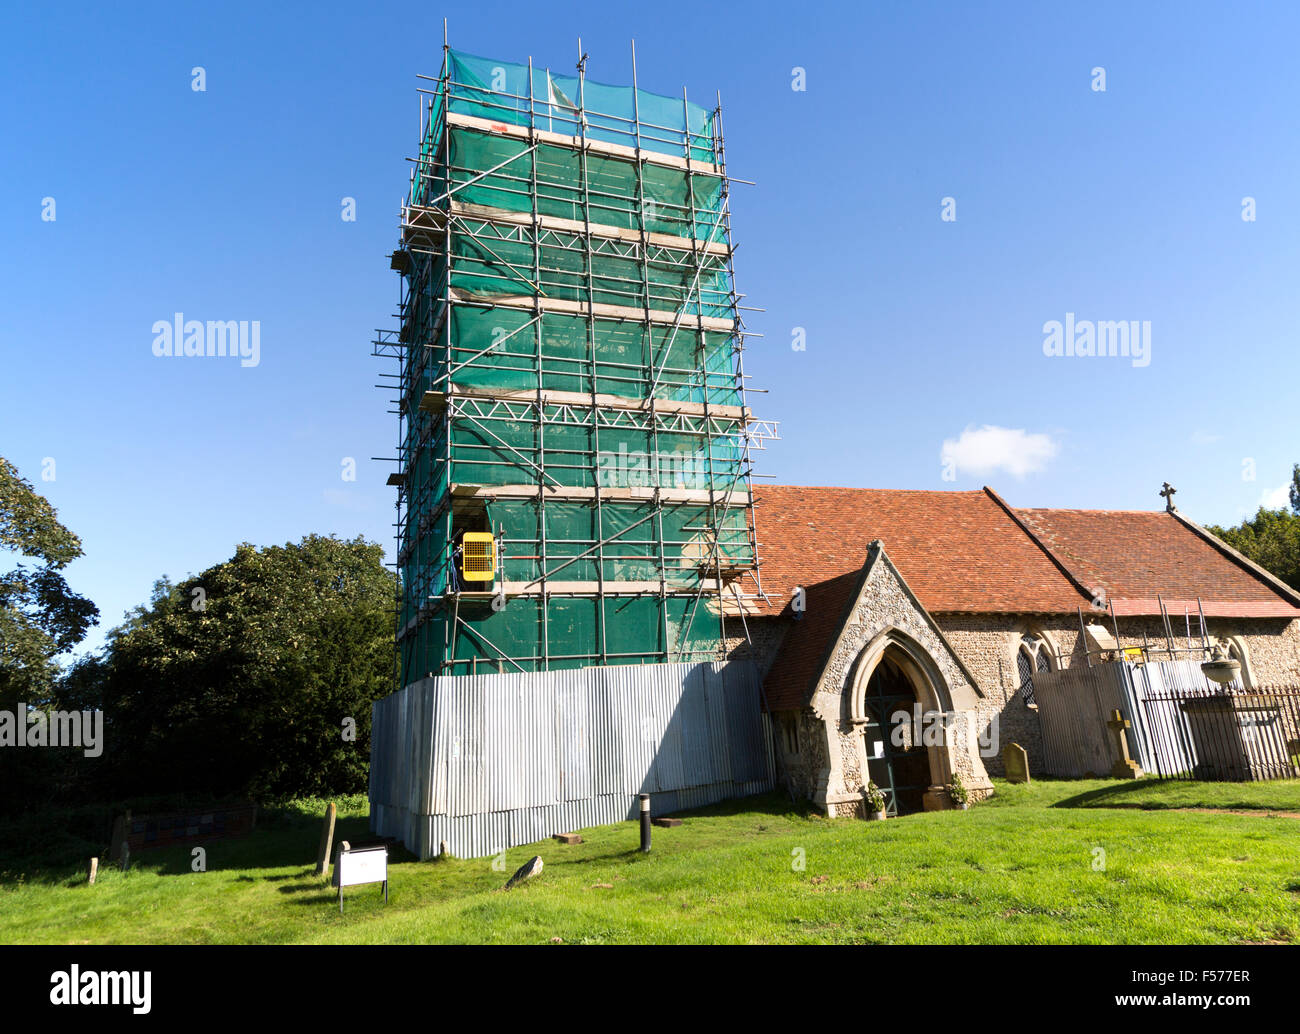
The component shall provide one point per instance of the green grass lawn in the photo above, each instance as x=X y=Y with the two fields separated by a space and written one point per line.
x=1281 y=795
x=1025 y=867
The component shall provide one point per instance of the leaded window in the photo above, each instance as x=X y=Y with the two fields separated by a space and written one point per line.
x=1033 y=656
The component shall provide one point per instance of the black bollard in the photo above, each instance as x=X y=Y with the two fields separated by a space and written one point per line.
x=645 y=821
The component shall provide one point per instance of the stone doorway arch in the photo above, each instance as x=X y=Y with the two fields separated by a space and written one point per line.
x=897 y=705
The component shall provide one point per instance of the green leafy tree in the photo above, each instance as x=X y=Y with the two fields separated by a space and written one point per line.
x=40 y=617
x=247 y=678
x=1271 y=539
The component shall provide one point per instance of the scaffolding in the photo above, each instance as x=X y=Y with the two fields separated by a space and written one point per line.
x=570 y=377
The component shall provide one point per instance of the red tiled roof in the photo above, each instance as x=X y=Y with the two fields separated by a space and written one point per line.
x=967 y=552
x=959 y=551
x=1134 y=556
x=805 y=647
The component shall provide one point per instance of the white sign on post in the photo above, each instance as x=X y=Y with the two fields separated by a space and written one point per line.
x=364 y=865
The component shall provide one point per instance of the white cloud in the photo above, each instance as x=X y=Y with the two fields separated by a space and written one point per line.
x=1205 y=437
x=1278 y=499
x=991 y=449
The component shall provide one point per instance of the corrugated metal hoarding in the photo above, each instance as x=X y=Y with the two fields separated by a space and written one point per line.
x=1074 y=705
x=487 y=762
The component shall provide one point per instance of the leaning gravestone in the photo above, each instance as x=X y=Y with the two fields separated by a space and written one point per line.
x=326 y=840
x=1015 y=762
x=526 y=871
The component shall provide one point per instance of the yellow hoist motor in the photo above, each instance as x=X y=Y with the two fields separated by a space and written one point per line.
x=478 y=556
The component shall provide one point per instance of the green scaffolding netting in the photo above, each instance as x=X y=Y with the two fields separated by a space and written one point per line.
x=501 y=91
x=634 y=537
x=472 y=321
x=623 y=542
x=573 y=633
x=494 y=261
x=506 y=348
x=566 y=449
x=498 y=171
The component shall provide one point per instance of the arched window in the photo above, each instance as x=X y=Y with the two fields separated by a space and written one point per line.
x=1033 y=655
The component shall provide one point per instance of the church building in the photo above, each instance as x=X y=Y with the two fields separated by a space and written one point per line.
x=899 y=631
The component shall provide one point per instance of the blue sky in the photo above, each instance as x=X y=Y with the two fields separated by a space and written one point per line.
x=225 y=204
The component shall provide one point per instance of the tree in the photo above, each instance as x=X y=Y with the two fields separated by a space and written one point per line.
x=1294 y=492
x=246 y=678
x=1271 y=539
x=40 y=617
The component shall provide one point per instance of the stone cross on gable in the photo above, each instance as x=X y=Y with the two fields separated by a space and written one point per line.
x=1125 y=767
x=1167 y=493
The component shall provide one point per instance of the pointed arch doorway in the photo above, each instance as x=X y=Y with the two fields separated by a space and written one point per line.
x=895 y=762
x=897 y=681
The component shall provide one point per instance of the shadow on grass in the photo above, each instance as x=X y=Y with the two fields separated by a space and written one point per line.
x=260 y=849
x=271 y=848
x=775 y=803
x=289 y=839
x=1172 y=794
x=303 y=888
x=318 y=899
x=1114 y=796
x=48 y=845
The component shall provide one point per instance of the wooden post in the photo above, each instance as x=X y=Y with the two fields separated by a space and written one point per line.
x=94 y=870
x=323 y=853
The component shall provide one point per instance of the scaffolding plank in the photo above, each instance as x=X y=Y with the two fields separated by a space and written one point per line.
x=533 y=302
x=578 y=143
x=616 y=493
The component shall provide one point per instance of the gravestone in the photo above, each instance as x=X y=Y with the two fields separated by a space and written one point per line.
x=1015 y=762
x=326 y=840
x=1125 y=767
x=526 y=871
